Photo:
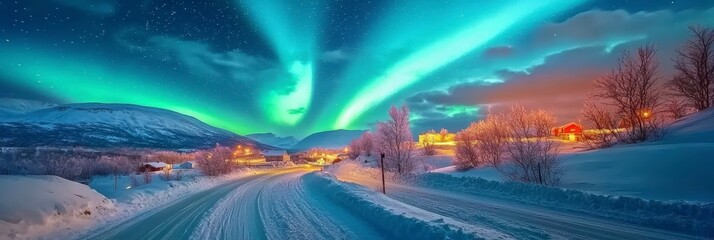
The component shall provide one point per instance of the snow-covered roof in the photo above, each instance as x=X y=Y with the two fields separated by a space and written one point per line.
x=156 y=164
x=274 y=153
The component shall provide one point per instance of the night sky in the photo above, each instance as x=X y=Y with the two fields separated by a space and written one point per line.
x=294 y=67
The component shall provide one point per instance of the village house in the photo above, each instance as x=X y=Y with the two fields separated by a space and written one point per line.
x=276 y=155
x=437 y=138
x=571 y=132
x=152 y=167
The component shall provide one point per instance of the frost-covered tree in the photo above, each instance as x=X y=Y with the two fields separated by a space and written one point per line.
x=429 y=142
x=362 y=145
x=395 y=141
x=467 y=152
x=216 y=161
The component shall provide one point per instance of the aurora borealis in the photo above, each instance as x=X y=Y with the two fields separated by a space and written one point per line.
x=296 y=67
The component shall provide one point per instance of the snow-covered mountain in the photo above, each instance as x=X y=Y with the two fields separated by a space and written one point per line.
x=328 y=139
x=13 y=106
x=111 y=125
x=273 y=140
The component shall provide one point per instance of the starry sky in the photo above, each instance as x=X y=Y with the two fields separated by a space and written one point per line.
x=294 y=67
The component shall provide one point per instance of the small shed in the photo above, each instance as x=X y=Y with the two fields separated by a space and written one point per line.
x=152 y=167
x=570 y=132
x=184 y=165
x=276 y=155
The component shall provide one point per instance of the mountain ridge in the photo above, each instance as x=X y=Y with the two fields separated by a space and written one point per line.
x=108 y=125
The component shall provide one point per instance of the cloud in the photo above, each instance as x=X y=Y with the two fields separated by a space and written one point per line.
x=199 y=58
x=554 y=65
x=559 y=85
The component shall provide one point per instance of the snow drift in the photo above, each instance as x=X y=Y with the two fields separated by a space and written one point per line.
x=31 y=206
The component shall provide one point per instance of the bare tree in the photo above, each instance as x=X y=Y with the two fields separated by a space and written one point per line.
x=604 y=125
x=694 y=66
x=533 y=157
x=216 y=161
x=166 y=173
x=147 y=176
x=134 y=180
x=367 y=143
x=362 y=145
x=429 y=142
x=492 y=139
x=631 y=89
x=675 y=108
x=467 y=153
x=442 y=135
x=355 y=148
x=395 y=141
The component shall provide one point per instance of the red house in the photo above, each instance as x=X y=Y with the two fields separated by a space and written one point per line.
x=152 y=167
x=570 y=132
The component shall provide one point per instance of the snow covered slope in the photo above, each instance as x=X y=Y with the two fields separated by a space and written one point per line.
x=328 y=139
x=31 y=206
x=676 y=167
x=112 y=125
x=13 y=106
x=273 y=140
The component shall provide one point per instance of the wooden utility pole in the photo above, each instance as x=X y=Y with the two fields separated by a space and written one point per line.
x=384 y=188
x=540 y=176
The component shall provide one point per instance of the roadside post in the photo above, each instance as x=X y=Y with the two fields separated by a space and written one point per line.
x=384 y=188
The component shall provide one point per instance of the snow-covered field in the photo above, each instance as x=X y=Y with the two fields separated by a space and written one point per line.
x=32 y=206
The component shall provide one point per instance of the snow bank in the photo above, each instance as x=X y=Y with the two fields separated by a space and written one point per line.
x=393 y=217
x=33 y=206
x=429 y=163
x=678 y=216
x=488 y=173
x=132 y=200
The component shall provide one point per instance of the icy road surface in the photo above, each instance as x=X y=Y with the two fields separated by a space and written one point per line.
x=273 y=205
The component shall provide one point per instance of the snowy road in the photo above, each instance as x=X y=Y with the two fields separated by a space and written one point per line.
x=519 y=220
x=524 y=222
x=273 y=205
x=282 y=204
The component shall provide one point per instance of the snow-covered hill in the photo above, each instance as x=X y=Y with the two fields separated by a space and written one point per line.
x=273 y=140
x=13 y=106
x=112 y=125
x=328 y=139
x=676 y=167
